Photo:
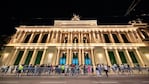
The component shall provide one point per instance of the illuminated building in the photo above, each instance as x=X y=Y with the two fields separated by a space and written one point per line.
x=80 y=42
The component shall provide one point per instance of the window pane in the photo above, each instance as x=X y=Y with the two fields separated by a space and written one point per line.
x=115 y=38
x=106 y=38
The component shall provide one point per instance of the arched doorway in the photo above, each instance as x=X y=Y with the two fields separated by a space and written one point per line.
x=75 y=58
x=87 y=59
x=62 y=60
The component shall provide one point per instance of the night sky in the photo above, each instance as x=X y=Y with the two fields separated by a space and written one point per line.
x=44 y=12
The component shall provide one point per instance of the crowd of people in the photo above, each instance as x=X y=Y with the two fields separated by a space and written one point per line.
x=71 y=70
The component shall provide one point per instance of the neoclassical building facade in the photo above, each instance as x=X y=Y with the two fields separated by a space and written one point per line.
x=76 y=41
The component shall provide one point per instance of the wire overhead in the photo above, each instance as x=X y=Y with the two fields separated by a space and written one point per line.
x=132 y=6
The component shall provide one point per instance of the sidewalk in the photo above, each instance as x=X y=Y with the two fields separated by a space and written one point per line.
x=111 y=74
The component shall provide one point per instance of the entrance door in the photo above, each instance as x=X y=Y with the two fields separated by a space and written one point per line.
x=87 y=59
x=62 y=60
x=75 y=58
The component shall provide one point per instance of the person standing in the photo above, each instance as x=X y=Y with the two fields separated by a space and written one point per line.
x=106 y=69
x=20 y=69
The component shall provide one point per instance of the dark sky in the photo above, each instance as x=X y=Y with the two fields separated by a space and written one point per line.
x=44 y=12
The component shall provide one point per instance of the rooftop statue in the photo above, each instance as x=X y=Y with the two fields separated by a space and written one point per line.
x=75 y=17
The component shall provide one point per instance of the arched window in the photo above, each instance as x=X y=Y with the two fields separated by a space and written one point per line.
x=65 y=39
x=75 y=40
x=84 y=40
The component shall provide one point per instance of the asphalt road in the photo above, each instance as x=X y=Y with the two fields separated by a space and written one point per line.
x=115 y=79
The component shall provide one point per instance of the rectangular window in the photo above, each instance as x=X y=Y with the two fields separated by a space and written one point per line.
x=125 y=38
x=36 y=38
x=112 y=57
x=145 y=34
x=106 y=37
x=27 y=38
x=44 y=38
x=38 y=58
x=133 y=57
x=18 y=59
x=116 y=40
x=28 y=58
x=122 y=56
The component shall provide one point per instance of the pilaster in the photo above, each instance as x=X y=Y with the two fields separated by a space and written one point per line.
x=23 y=57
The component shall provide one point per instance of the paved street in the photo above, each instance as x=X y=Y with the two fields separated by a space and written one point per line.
x=112 y=79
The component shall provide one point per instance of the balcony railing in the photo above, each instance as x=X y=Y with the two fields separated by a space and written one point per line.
x=79 y=44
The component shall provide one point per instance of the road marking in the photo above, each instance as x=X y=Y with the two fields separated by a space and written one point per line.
x=145 y=81
x=55 y=82
x=8 y=82
x=105 y=82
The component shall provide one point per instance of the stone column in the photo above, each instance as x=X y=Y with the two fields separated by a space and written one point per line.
x=70 y=57
x=71 y=37
x=60 y=41
x=31 y=38
x=48 y=38
x=23 y=57
x=129 y=37
x=79 y=57
x=19 y=35
x=11 y=59
x=92 y=57
x=138 y=37
x=107 y=57
x=98 y=37
x=140 y=57
x=133 y=37
x=57 y=56
x=120 y=37
x=118 y=57
x=90 y=38
x=40 y=37
x=94 y=38
x=93 y=61
x=33 y=57
x=79 y=38
x=111 y=38
x=56 y=39
x=52 y=37
x=141 y=35
x=43 y=56
x=83 y=56
x=67 y=57
x=102 y=38
x=129 y=58
x=21 y=38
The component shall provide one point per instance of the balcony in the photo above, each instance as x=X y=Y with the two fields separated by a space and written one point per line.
x=78 y=44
